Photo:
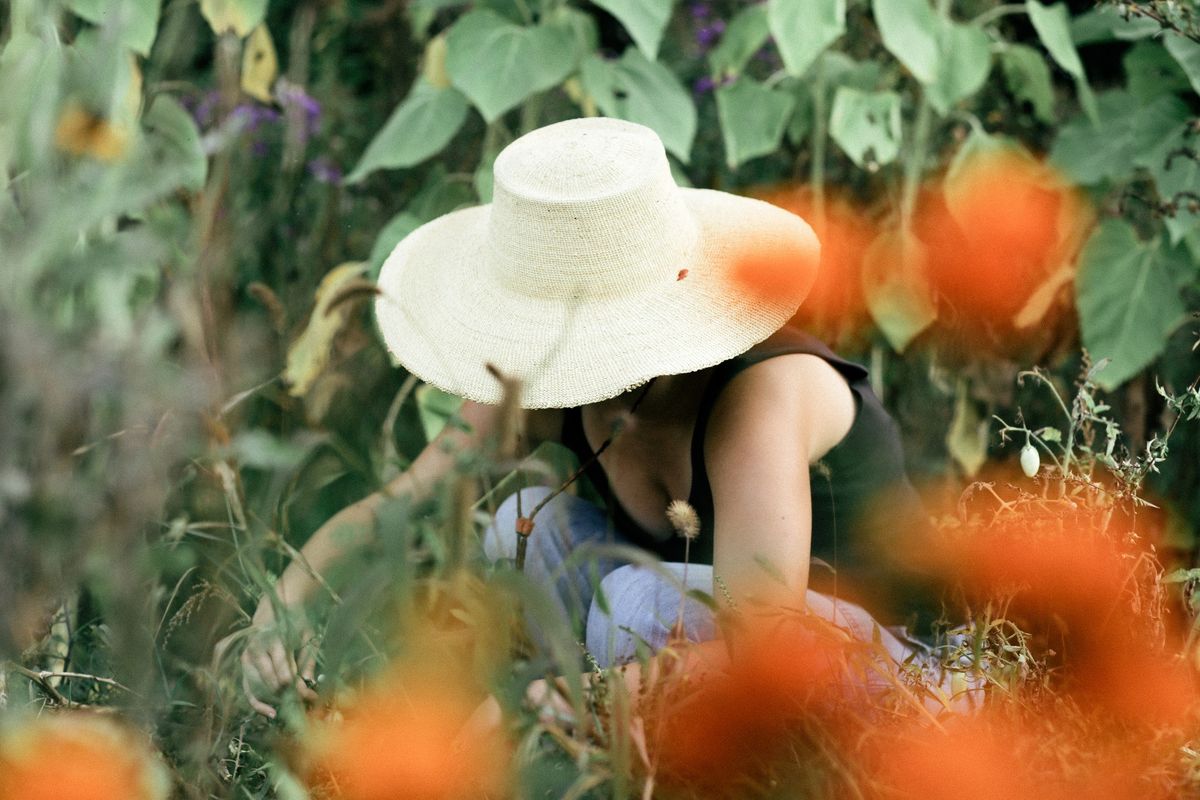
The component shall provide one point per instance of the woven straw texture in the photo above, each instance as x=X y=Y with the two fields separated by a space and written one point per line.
x=570 y=279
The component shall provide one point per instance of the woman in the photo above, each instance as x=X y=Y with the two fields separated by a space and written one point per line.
x=622 y=303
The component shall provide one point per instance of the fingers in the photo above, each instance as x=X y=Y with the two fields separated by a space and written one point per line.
x=256 y=704
x=308 y=669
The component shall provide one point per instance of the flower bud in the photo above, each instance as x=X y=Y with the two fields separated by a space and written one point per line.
x=1030 y=461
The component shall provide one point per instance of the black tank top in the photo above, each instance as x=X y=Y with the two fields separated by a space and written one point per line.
x=860 y=492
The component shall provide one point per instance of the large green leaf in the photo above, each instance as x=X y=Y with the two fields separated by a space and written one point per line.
x=909 y=31
x=753 y=118
x=169 y=155
x=1127 y=299
x=136 y=20
x=1187 y=53
x=645 y=92
x=497 y=64
x=1151 y=72
x=963 y=63
x=1162 y=143
x=419 y=128
x=239 y=16
x=1091 y=153
x=802 y=31
x=1028 y=78
x=866 y=125
x=745 y=35
x=644 y=19
x=1105 y=23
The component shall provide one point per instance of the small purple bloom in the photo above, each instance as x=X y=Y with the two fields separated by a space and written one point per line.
x=205 y=112
x=293 y=96
x=324 y=170
x=707 y=36
x=701 y=10
x=703 y=85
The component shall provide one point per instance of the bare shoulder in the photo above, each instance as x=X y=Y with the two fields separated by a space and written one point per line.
x=798 y=395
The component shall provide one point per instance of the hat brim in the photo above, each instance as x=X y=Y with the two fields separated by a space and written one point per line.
x=445 y=318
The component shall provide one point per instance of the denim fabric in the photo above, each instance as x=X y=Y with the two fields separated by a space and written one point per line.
x=643 y=603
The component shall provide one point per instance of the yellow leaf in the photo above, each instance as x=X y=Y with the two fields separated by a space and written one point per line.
x=1043 y=297
x=579 y=96
x=433 y=65
x=309 y=354
x=82 y=133
x=239 y=16
x=133 y=95
x=967 y=438
x=260 y=65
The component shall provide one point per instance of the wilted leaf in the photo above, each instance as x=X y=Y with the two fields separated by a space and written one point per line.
x=239 y=16
x=967 y=438
x=419 y=128
x=260 y=65
x=1127 y=299
x=644 y=19
x=309 y=354
x=433 y=63
x=802 y=31
x=752 y=119
x=866 y=125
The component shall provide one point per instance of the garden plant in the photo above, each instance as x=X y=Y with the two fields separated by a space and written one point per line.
x=198 y=197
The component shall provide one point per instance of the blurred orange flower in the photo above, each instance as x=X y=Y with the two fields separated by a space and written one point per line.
x=1002 y=233
x=82 y=133
x=835 y=308
x=79 y=756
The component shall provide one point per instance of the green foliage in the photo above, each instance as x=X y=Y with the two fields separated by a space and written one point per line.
x=752 y=117
x=418 y=129
x=803 y=30
x=645 y=20
x=645 y=92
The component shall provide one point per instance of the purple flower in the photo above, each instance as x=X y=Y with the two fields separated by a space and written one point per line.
x=293 y=96
x=253 y=116
x=324 y=170
x=205 y=110
x=707 y=36
x=700 y=10
x=703 y=85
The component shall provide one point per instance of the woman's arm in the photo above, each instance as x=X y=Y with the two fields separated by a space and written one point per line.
x=266 y=661
x=768 y=425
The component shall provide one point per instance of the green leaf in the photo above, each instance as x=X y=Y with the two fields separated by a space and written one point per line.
x=239 y=16
x=963 y=63
x=169 y=155
x=967 y=437
x=645 y=92
x=498 y=64
x=391 y=235
x=435 y=408
x=746 y=33
x=1161 y=142
x=1151 y=72
x=135 y=20
x=1187 y=53
x=1128 y=303
x=419 y=128
x=753 y=118
x=1053 y=28
x=1092 y=153
x=896 y=288
x=866 y=125
x=908 y=28
x=1104 y=24
x=802 y=31
x=1028 y=78
x=644 y=19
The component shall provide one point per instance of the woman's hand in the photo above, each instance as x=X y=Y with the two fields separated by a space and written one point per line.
x=270 y=664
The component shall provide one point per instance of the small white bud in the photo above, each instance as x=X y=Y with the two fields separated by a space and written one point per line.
x=1030 y=461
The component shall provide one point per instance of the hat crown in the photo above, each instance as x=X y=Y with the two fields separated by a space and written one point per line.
x=587 y=208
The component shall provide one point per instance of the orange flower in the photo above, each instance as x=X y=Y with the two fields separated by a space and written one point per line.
x=81 y=757
x=398 y=739
x=1000 y=229
x=82 y=133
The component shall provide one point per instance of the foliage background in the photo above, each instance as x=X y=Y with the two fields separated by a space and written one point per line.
x=180 y=176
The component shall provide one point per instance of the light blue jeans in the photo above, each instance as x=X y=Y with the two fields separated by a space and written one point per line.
x=643 y=601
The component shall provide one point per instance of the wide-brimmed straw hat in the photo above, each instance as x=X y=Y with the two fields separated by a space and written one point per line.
x=589 y=273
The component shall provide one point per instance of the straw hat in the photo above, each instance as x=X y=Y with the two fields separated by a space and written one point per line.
x=589 y=273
